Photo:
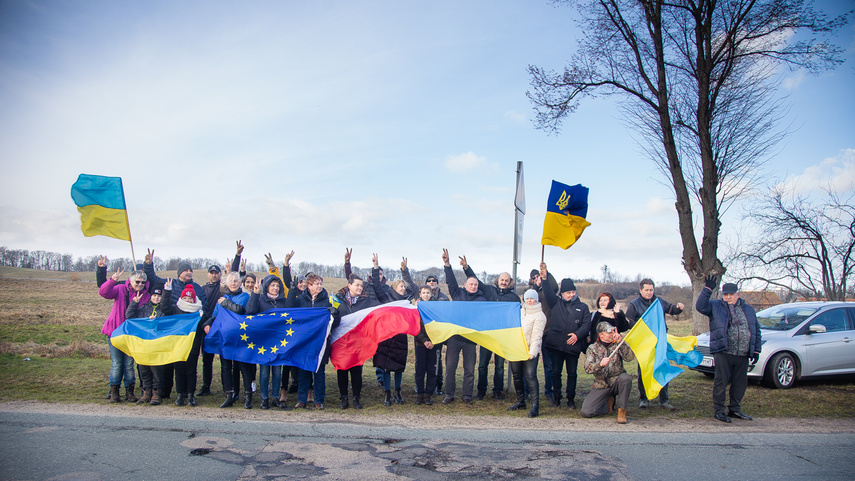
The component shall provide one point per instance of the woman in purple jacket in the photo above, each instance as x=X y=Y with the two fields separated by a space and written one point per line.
x=122 y=365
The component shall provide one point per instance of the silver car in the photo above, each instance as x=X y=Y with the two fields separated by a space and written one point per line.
x=800 y=340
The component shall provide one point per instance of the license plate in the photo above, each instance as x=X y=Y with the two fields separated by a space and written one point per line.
x=707 y=362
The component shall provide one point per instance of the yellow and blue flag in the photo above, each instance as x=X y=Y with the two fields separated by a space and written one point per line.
x=278 y=337
x=159 y=341
x=566 y=210
x=495 y=325
x=654 y=348
x=101 y=202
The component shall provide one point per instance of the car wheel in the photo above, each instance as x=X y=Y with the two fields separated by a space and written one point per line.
x=709 y=374
x=781 y=371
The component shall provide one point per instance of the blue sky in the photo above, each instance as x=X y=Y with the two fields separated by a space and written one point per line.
x=389 y=127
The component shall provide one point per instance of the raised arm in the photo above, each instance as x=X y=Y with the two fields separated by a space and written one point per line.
x=405 y=274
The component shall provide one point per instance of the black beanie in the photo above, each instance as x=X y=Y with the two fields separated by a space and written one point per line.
x=567 y=285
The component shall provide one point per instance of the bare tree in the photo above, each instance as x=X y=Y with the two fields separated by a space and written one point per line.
x=803 y=246
x=696 y=79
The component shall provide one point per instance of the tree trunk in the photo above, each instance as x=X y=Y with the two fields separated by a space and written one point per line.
x=700 y=322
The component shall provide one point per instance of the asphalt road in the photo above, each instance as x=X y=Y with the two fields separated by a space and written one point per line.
x=61 y=446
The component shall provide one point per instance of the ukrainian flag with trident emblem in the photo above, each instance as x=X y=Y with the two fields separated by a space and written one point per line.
x=566 y=210
x=278 y=337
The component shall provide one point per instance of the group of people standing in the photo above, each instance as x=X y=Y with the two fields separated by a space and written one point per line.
x=557 y=325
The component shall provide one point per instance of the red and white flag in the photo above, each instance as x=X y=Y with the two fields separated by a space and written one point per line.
x=356 y=338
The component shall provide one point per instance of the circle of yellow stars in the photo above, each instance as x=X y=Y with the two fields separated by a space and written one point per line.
x=273 y=349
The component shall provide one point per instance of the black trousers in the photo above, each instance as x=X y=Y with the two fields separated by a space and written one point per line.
x=425 y=369
x=355 y=380
x=185 y=371
x=561 y=359
x=231 y=372
x=733 y=370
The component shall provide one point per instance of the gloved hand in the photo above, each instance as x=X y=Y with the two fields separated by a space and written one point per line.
x=711 y=282
x=754 y=357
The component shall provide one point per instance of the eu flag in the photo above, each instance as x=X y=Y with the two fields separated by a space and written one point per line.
x=278 y=337
x=566 y=210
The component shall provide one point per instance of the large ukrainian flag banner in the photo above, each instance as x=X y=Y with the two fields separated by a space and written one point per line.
x=159 y=341
x=101 y=202
x=653 y=349
x=566 y=210
x=495 y=325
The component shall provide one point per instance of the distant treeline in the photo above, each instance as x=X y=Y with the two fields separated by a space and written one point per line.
x=54 y=261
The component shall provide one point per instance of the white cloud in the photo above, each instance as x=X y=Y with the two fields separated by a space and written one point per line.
x=515 y=116
x=468 y=162
x=836 y=173
x=794 y=81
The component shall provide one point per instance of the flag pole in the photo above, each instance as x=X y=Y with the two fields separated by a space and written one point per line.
x=542 y=251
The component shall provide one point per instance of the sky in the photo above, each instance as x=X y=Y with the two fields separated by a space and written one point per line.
x=383 y=126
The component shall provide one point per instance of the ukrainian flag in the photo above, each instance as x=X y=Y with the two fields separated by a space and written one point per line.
x=159 y=341
x=654 y=348
x=101 y=202
x=495 y=325
x=566 y=210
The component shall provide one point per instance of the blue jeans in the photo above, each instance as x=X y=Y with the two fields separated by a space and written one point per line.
x=264 y=379
x=387 y=380
x=121 y=366
x=319 y=390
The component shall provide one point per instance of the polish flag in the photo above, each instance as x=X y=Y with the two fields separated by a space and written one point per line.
x=356 y=338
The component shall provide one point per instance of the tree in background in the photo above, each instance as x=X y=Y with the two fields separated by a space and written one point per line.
x=697 y=81
x=802 y=245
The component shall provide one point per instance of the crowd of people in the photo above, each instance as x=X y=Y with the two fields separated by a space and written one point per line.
x=558 y=328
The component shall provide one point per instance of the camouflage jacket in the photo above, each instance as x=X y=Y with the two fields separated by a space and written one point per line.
x=604 y=377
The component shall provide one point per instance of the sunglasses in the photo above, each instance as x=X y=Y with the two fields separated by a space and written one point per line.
x=431 y=280
x=139 y=282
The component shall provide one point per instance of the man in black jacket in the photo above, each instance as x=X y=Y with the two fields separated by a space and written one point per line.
x=565 y=337
x=501 y=291
x=646 y=296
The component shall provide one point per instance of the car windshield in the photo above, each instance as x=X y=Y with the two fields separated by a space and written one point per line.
x=784 y=317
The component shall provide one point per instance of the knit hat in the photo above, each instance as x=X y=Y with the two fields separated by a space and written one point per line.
x=531 y=294
x=567 y=285
x=729 y=288
x=534 y=273
x=604 y=326
x=189 y=291
x=184 y=266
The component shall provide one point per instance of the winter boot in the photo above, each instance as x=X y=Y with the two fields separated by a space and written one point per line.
x=428 y=400
x=357 y=404
x=156 y=399
x=345 y=402
x=387 y=401
x=535 y=409
x=517 y=406
x=265 y=403
x=114 y=394
x=621 y=416
x=247 y=400
x=420 y=399
x=230 y=400
x=191 y=399
x=146 y=397
x=611 y=405
x=398 y=398
x=129 y=393
x=204 y=391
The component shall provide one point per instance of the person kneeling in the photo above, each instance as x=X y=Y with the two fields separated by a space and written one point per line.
x=604 y=360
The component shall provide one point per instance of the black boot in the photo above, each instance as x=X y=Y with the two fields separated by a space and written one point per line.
x=517 y=405
x=420 y=399
x=535 y=408
x=204 y=391
x=247 y=401
x=398 y=398
x=180 y=399
x=357 y=404
x=428 y=400
x=265 y=403
x=387 y=401
x=191 y=399
x=345 y=402
x=230 y=400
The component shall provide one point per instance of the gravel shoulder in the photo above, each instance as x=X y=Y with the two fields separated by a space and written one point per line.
x=413 y=421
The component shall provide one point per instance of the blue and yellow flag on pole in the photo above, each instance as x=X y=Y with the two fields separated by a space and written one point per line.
x=566 y=210
x=495 y=325
x=654 y=348
x=278 y=337
x=101 y=202
x=155 y=342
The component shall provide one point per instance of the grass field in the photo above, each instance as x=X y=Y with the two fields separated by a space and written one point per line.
x=51 y=349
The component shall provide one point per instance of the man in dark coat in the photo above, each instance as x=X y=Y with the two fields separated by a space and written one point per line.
x=565 y=336
x=646 y=296
x=734 y=340
x=501 y=291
